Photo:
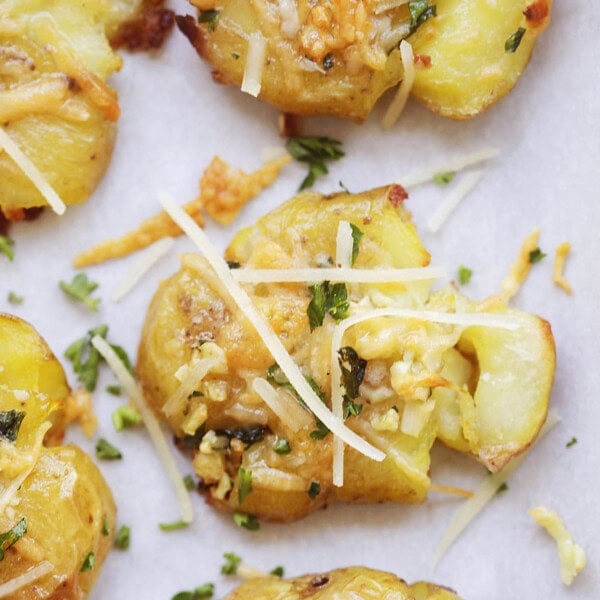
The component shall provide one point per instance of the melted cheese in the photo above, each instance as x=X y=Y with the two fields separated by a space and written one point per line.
x=13 y=585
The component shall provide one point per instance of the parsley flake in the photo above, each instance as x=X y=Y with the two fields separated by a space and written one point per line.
x=420 y=11
x=12 y=536
x=514 y=41
x=189 y=483
x=231 y=564
x=114 y=390
x=88 y=562
x=14 y=298
x=464 y=275
x=10 y=423
x=210 y=17
x=105 y=526
x=282 y=447
x=314 y=151
x=327 y=298
x=80 y=289
x=6 y=245
x=244 y=484
x=206 y=590
x=174 y=526
x=106 y=451
x=277 y=571
x=356 y=237
x=125 y=416
x=502 y=488
x=444 y=178
x=314 y=490
x=536 y=255
x=123 y=537
x=571 y=442
x=249 y=522
x=351 y=408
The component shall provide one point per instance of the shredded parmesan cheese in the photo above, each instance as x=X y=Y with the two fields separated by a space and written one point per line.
x=397 y=106
x=13 y=585
x=571 y=555
x=36 y=177
x=247 y=572
x=559 y=265
x=484 y=493
x=152 y=425
x=144 y=263
x=454 y=198
x=270 y=339
x=345 y=275
x=521 y=267
x=343 y=245
x=255 y=61
x=456 y=164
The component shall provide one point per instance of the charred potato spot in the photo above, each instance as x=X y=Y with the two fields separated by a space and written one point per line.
x=481 y=390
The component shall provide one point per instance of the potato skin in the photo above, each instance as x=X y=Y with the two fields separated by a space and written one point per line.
x=347 y=582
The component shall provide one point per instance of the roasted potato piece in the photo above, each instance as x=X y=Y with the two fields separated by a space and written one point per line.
x=470 y=68
x=56 y=494
x=338 y=59
x=351 y=582
x=414 y=380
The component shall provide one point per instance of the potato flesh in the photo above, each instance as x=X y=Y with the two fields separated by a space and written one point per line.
x=406 y=361
x=347 y=583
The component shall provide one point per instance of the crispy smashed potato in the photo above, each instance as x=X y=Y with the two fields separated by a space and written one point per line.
x=351 y=582
x=338 y=58
x=481 y=390
x=53 y=497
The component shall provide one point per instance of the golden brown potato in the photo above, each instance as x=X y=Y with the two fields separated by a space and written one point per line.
x=56 y=494
x=351 y=582
x=482 y=390
x=339 y=58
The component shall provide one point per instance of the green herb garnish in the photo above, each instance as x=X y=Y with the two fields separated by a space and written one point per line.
x=356 y=237
x=464 y=275
x=351 y=408
x=174 y=526
x=249 y=522
x=444 y=178
x=123 y=538
x=10 y=423
x=105 y=526
x=314 y=151
x=231 y=564
x=88 y=562
x=327 y=298
x=536 y=255
x=282 y=447
x=12 y=536
x=420 y=11
x=571 y=442
x=189 y=483
x=14 y=298
x=80 y=289
x=353 y=370
x=502 y=488
x=314 y=490
x=513 y=42
x=277 y=571
x=6 y=245
x=114 y=390
x=210 y=17
x=244 y=484
x=125 y=416
x=206 y=590
x=106 y=451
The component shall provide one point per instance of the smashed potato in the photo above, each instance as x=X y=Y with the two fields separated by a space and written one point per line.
x=480 y=389
x=53 y=500
x=351 y=582
x=338 y=58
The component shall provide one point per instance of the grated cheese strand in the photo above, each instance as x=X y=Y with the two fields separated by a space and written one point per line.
x=31 y=575
x=562 y=251
x=484 y=493
x=290 y=412
x=459 y=163
x=151 y=423
x=454 y=198
x=255 y=60
x=397 y=106
x=343 y=245
x=519 y=270
x=263 y=328
x=345 y=275
x=464 y=319
x=36 y=177
x=146 y=261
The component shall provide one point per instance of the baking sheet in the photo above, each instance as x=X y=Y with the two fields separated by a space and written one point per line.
x=174 y=119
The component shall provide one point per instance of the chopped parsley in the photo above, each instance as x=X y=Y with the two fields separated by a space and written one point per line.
x=174 y=526
x=282 y=446
x=571 y=442
x=14 y=298
x=10 y=423
x=514 y=41
x=327 y=298
x=536 y=255
x=353 y=370
x=314 y=490
x=206 y=590
x=351 y=408
x=105 y=526
x=277 y=571
x=444 y=178
x=232 y=561
x=125 y=416
x=420 y=11
x=12 y=536
x=343 y=187
x=106 y=451
x=275 y=376
x=244 y=484
x=314 y=151
x=88 y=562
x=356 y=237
x=249 y=522
x=320 y=432
x=6 y=245
x=195 y=394
x=114 y=390
x=210 y=17
x=189 y=483
x=80 y=288
x=502 y=488
x=123 y=538
x=464 y=275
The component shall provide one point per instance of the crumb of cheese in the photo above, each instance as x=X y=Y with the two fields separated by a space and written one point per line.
x=559 y=265
x=521 y=267
x=571 y=555
x=79 y=407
